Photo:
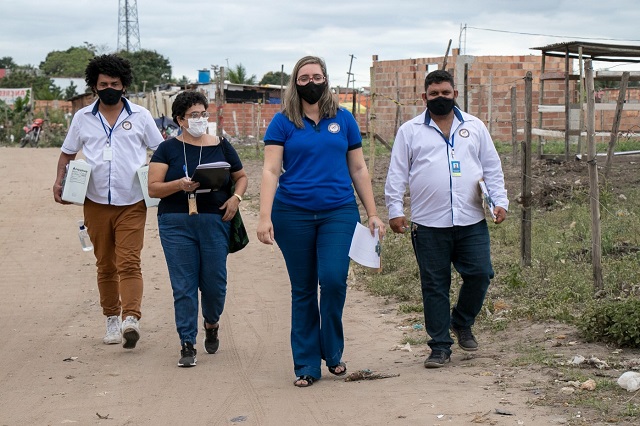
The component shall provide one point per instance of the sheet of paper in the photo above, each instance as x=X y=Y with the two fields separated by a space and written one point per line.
x=365 y=249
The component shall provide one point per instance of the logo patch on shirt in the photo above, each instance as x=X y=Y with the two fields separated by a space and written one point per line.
x=126 y=125
x=334 y=127
x=464 y=133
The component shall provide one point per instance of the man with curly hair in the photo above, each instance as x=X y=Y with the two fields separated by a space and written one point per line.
x=113 y=135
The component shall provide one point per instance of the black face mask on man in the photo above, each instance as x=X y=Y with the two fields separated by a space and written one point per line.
x=440 y=105
x=110 y=96
x=311 y=92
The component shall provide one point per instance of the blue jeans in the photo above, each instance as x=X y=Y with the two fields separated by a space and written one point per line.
x=195 y=248
x=315 y=246
x=467 y=247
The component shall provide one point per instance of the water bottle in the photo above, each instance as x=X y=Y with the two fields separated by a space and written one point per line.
x=85 y=241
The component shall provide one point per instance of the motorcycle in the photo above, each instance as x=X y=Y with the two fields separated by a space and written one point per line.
x=32 y=135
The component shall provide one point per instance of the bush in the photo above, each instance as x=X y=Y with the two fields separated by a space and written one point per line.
x=615 y=322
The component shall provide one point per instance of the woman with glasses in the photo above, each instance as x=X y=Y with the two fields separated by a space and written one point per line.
x=195 y=245
x=313 y=160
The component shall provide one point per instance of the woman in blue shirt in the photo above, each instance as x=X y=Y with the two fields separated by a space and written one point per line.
x=313 y=159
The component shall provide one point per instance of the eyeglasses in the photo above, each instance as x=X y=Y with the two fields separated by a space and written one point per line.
x=203 y=114
x=305 y=79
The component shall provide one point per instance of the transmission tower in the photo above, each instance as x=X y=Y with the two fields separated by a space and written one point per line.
x=128 y=29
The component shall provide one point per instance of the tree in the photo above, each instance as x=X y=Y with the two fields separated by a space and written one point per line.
x=238 y=75
x=149 y=66
x=7 y=62
x=43 y=87
x=69 y=63
x=70 y=91
x=275 y=78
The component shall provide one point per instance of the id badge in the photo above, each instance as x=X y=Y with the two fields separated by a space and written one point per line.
x=455 y=168
x=107 y=153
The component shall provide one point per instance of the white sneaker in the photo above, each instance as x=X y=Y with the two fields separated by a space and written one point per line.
x=130 y=332
x=113 y=335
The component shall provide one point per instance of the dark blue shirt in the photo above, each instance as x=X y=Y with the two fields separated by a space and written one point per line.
x=172 y=152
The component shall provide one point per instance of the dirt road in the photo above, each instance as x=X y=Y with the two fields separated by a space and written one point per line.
x=56 y=370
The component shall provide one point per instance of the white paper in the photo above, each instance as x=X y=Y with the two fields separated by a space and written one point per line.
x=365 y=249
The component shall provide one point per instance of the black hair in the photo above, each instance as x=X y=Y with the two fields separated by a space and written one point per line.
x=111 y=65
x=186 y=100
x=437 y=76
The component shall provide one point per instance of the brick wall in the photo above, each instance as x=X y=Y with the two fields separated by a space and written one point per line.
x=398 y=86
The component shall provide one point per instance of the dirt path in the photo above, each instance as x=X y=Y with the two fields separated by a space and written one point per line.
x=55 y=369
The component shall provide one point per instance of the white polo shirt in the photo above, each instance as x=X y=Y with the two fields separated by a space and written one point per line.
x=113 y=181
x=442 y=174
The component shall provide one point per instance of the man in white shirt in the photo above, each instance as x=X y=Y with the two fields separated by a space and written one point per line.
x=113 y=135
x=442 y=154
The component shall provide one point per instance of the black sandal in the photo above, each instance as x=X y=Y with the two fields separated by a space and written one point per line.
x=333 y=368
x=305 y=378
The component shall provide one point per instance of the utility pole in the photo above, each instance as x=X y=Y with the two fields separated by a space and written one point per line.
x=350 y=74
x=128 y=28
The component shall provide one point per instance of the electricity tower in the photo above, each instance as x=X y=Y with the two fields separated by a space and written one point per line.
x=128 y=29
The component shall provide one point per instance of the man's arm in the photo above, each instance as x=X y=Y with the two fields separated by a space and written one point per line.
x=63 y=162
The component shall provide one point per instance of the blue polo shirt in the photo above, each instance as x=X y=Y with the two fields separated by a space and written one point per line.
x=316 y=174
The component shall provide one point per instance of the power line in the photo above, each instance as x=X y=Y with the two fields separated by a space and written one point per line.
x=550 y=35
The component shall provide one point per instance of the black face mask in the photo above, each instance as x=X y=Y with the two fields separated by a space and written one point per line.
x=311 y=92
x=440 y=105
x=110 y=96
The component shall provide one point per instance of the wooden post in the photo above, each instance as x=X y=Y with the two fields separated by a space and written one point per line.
x=540 y=99
x=397 y=123
x=594 y=192
x=219 y=101
x=372 y=118
x=581 y=101
x=525 y=221
x=446 y=55
x=490 y=103
x=466 y=87
x=514 y=126
x=616 y=122
x=567 y=105
x=258 y=128
x=281 y=87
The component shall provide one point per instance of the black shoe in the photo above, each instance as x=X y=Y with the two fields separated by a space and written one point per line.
x=211 y=341
x=465 y=338
x=437 y=359
x=187 y=355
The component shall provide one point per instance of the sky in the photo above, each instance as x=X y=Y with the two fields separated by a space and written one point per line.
x=270 y=35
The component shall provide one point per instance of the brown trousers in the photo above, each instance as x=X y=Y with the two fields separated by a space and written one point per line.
x=117 y=234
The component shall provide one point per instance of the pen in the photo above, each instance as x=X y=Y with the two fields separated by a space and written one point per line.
x=185 y=171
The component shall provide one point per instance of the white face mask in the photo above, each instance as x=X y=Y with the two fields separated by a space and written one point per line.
x=197 y=126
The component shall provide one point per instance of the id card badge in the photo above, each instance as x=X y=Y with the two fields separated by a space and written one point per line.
x=107 y=153
x=455 y=168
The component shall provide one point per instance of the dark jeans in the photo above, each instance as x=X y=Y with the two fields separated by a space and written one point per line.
x=195 y=248
x=467 y=247
x=315 y=246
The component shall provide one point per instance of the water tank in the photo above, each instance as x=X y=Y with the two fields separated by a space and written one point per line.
x=204 y=76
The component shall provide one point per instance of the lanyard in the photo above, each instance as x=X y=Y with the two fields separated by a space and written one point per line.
x=106 y=126
x=450 y=143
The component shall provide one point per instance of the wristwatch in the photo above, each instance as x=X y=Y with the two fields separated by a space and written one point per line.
x=238 y=196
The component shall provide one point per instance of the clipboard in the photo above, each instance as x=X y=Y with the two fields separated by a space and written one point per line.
x=211 y=176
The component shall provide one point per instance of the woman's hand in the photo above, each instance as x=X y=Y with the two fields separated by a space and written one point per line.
x=187 y=185
x=375 y=222
x=265 y=231
x=231 y=206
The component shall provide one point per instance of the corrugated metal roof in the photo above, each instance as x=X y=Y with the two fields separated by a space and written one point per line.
x=596 y=51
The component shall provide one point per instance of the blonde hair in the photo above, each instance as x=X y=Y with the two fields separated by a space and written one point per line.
x=328 y=104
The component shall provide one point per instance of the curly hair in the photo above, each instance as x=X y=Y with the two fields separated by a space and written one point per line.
x=186 y=100
x=292 y=103
x=111 y=65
